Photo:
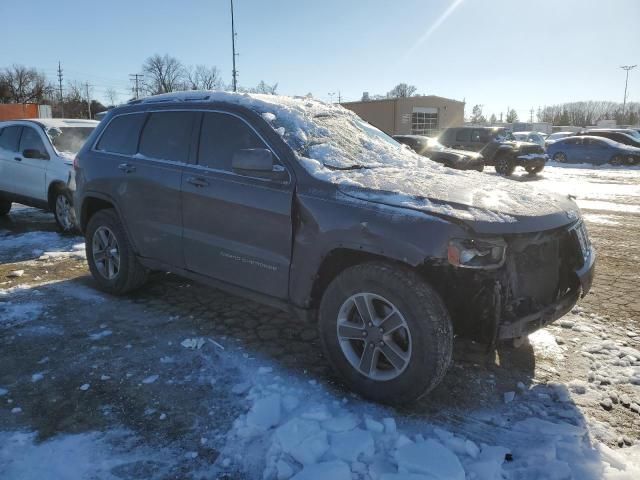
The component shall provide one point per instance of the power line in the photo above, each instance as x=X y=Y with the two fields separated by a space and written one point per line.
x=60 y=89
x=627 y=68
x=136 y=77
x=234 y=72
x=86 y=85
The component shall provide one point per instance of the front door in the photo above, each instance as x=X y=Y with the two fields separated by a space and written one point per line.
x=237 y=228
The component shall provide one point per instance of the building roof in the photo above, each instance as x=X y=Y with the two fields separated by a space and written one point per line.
x=402 y=98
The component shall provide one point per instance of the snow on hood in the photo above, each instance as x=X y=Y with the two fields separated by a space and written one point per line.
x=335 y=145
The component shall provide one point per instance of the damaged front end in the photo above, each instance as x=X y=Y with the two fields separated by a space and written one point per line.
x=508 y=287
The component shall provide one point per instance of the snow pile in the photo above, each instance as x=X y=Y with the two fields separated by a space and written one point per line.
x=295 y=429
x=335 y=145
x=33 y=244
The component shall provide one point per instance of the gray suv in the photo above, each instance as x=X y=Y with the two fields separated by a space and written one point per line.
x=304 y=206
x=499 y=148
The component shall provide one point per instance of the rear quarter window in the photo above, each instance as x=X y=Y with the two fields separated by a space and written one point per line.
x=121 y=134
x=463 y=135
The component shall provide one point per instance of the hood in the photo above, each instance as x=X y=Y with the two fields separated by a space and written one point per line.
x=484 y=203
x=519 y=145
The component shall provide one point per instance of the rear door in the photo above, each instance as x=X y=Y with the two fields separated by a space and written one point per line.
x=237 y=228
x=9 y=148
x=595 y=151
x=143 y=157
x=30 y=174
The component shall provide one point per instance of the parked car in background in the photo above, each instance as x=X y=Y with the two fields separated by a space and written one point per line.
x=556 y=136
x=303 y=205
x=532 y=137
x=434 y=150
x=498 y=146
x=36 y=158
x=620 y=136
x=594 y=150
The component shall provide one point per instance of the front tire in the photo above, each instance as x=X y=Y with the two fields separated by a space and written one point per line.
x=386 y=332
x=504 y=165
x=5 y=207
x=110 y=256
x=63 y=211
x=534 y=170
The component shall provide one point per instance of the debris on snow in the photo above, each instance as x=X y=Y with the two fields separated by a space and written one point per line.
x=193 y=343
x=84 y=387
x=150 y=379
x=430 y=458
x=15 y=273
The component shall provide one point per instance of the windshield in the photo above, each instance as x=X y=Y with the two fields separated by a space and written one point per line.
x=504 y=135
x=346 y=142
x=70 y=139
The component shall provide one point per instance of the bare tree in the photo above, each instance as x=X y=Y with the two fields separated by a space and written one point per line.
x=163 y=74
x=20 y=84
x=477 y=116
x=512 y=116
x=112 y=96
x=402 y=90
x=202 y=77
x=264 y=87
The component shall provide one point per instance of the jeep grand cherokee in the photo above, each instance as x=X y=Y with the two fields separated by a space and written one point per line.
x=303 y=205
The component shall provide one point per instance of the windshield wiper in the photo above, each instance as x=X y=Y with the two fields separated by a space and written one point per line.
x=348 y=167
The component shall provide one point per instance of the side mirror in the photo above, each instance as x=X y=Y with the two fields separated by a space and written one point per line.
x=257 y=162
x=33 y=153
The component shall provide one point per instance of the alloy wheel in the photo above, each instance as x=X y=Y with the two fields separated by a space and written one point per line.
x=560 y=157
x=64 y=212
x=374 y=336
x=106 y=253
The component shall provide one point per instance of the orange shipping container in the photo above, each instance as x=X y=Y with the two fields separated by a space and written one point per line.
x=12 y=111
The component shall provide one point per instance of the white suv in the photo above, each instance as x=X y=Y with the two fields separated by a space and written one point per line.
x=36 y=157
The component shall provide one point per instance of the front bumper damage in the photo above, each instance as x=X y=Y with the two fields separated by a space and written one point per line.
x=576 y=260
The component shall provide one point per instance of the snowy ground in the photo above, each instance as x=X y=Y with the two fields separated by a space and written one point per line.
x=182 y=381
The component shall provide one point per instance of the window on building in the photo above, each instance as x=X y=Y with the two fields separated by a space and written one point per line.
x=424 y=121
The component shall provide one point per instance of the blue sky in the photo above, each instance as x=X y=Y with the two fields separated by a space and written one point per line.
x=499 y=53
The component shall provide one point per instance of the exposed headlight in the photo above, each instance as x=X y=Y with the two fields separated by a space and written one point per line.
x=474 y=253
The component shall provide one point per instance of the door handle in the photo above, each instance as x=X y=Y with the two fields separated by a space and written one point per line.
x=17 y=159
x=127 y=167
x=197 y=182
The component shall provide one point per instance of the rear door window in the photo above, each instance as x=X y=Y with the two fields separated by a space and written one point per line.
x=221 y=136
x=9 y=138
x=122 y=134
x=31 y=140
x=463 y=136
x=167 y=136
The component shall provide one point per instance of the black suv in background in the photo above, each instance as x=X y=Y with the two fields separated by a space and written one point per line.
x=498 y=146
x=434 y=150
x=304 y=206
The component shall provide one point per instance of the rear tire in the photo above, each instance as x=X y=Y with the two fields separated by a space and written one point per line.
x=5 y=207
x=616 y=160
x=417 y=331
x=504 y=165
x=110 y=256
x=63 y=211
x=560 y=157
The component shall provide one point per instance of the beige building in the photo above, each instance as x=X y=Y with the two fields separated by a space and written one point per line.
x=410 y=115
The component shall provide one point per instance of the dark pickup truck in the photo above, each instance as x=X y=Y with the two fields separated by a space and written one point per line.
x=498 y=146
x=303 y=205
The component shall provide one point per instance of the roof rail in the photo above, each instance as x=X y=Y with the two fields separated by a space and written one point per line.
x=173 y=97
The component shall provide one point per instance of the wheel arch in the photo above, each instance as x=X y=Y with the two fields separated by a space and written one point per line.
x=54 y=187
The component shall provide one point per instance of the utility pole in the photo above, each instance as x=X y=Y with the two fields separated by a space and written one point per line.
x=60 y=89
x=627 y=68
x=136 y=77
x=86 y=86
x=339 y=97
x=531 y=115
x=234 y=72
